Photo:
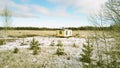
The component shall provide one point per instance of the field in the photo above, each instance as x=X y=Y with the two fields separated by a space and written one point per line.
x=47 y=56
x=30 y=33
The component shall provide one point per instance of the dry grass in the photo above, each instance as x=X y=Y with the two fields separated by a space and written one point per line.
x=25 y=59
x=85 y=33
x=3 y=41
x=46 y=58
x=30 y=33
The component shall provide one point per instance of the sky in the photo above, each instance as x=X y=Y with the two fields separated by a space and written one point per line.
x=50 y=13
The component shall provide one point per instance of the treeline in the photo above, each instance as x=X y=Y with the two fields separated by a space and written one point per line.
x=72 y=28
x=27 y=28
x=90 y=28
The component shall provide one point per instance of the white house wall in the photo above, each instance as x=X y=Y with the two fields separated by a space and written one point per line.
x=68 y=34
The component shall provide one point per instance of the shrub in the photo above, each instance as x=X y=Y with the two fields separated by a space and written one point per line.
x=35 y=51
x=34 y=44
x=74 y=45
x=16 y=50
x=87 y=54
x=52 y=43
x=60 y=51
x=2 y=42
x=60 y=43
x=68 y=58
x=23 y=42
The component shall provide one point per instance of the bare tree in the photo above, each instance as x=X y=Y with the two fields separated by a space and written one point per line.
x=6 y=18
x=100 y=39
x=111 y=14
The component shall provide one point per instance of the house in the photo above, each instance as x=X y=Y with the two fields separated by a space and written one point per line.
x=64 y=33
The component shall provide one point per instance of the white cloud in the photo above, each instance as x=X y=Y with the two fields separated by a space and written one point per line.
x=41 y=9
x=27 y=10
x=61 y=11
x=90 y=6
x=3 y=3
x=18 y=10
x=80 y=6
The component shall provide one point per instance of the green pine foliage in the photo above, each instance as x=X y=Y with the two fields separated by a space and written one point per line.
x=60 y=51
x=16 y=50
x=2 y=42
x=35 y=51
x=60 y=43
x=23 y=42
x=52 y=43
x=74 y=45
x=34 y=45
x=87 y=53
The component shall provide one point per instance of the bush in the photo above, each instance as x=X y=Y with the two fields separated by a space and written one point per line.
x=74 y=45
x=35 y=51
x=68 y=58
x=2 y=42
x=16 y=50
x=87 y=54
x=60 y=43
x=60 y=51
x=52 y=43
x=34 y=44
x=23 y=43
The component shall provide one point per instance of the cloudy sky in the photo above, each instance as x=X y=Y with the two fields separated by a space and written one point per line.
x=51 y=13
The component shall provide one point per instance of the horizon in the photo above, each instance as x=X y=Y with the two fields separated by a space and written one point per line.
x=51 y=13
x=57 y=27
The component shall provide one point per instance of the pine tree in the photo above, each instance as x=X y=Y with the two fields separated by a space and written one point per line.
x=87 y=54
x=60 y=49
x=16 y=50
x=52 y=43
x=34 y=46
x=60 y=43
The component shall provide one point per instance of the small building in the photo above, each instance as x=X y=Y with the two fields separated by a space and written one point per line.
x=64 y=33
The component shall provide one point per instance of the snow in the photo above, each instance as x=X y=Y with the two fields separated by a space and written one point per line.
x=47 y=50
x=44 y=41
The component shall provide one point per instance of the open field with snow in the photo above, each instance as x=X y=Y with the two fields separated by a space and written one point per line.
x=46 y=57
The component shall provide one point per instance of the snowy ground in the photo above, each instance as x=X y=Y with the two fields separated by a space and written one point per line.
x=47 y=50
x=47 y=55
x=44 y=41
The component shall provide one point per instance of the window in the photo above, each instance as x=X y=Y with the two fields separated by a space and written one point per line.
x=60 y=32
x=70 y=33
x=66 y=32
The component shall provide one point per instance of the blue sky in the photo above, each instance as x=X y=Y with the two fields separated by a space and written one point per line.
x=51 y=13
